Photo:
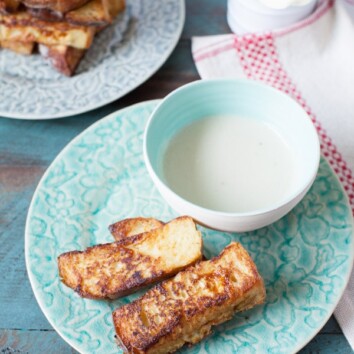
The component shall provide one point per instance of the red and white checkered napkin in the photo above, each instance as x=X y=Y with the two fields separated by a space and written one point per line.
x=312 y=61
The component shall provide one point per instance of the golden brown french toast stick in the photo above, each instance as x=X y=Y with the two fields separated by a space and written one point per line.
x=63 y=58
x=96 y=12
x=133 y=226
x=22 y=26
x=183 y=309
x=112 y=270
x=25 y=48
x=61 y=6
x=7 y=6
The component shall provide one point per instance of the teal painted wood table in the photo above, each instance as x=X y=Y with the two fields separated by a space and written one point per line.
x=28 y=147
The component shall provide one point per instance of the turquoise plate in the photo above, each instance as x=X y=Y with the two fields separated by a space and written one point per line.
x=100 y=177
x=121 y=58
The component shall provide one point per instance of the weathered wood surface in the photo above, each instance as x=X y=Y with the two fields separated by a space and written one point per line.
x=328 y=341
x=26 y=150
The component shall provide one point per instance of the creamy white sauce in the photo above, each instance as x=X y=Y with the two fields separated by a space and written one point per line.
x=282 y=4
x=229 y=164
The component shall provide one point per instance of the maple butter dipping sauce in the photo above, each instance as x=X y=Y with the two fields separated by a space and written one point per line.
x=235 y=155
x=229 y=164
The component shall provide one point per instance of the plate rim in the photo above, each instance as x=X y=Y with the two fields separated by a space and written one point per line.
x=121 y=111
x=89 y=108
x=351 y=261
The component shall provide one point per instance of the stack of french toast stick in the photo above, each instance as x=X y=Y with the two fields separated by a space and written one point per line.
x=192 y=294
x=61 y=30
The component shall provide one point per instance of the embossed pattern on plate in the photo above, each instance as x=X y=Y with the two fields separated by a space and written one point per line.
x=100 y=177
x=121 y=58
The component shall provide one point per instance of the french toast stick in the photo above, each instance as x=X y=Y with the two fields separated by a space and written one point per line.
x=112 y=270
x=63 y=58
x=61 y=6
x=183 y=309
x=19 y=47
x=22 y=26
x=7 y=6
x=133 y=226
x=94 y=13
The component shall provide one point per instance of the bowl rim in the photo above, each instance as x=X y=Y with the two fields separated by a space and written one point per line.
x=297 y=191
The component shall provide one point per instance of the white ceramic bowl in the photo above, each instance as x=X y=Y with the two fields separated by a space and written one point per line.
x=246 y=16
x=244 y=98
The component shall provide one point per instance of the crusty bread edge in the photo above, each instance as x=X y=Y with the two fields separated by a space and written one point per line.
x=147 y=282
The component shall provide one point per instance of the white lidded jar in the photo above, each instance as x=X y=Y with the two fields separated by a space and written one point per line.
x=247 y=16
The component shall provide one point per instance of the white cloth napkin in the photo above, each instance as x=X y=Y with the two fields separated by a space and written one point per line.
x=313 y=61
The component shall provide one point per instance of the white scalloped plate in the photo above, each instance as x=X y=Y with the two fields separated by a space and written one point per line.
x=100 y=177
x=122 y=57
